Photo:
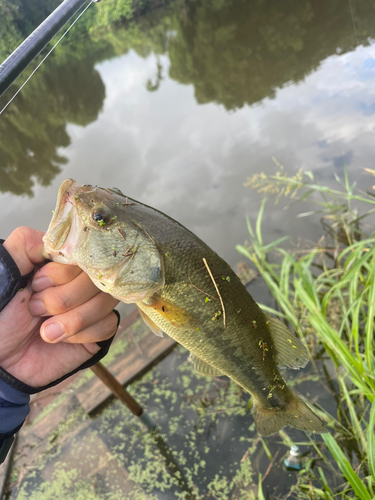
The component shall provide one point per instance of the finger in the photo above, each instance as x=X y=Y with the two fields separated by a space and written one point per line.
x=102 y=330
x=63 y=298
x=25 y=245
x=53 y=274
x=65 y=325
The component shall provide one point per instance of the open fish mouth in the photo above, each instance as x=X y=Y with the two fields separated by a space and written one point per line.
x=63 y=226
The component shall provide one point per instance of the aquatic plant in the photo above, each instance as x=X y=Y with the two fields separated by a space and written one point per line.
x=329 y=290
x=326 y=292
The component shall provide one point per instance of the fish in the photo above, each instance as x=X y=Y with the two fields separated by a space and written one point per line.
x=183 y=289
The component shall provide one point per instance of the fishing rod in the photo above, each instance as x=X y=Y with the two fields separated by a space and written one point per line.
x=25 y=53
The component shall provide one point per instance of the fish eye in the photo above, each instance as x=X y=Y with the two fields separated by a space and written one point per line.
x=97 y=216
x=102 y=217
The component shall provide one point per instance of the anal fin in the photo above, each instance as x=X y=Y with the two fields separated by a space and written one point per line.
x=204 y=368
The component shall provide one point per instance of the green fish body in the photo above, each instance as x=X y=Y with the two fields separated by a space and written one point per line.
x=182 y=288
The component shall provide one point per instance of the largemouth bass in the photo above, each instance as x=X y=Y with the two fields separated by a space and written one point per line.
x=182 y=288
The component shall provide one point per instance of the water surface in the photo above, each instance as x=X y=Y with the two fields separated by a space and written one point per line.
x=179 y=108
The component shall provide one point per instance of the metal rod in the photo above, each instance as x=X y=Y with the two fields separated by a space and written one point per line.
x=24 y=54
x=117 y=389
x=171 y=464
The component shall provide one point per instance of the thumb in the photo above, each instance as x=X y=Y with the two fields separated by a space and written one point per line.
x=25 y=246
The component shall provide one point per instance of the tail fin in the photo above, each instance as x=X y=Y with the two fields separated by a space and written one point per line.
x=296 y=414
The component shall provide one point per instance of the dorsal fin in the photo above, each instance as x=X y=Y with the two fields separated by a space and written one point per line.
x=204 y=368
x=289 y=349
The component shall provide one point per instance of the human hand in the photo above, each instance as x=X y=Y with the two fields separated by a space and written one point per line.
x=30 y=348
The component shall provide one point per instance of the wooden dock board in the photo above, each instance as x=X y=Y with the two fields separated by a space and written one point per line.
x=142 y=350
x=137 y=358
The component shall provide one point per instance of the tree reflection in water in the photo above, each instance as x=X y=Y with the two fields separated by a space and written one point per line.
x=233 y=53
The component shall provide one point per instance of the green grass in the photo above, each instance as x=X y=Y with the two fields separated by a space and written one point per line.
x=326 y=294
x=329 y=290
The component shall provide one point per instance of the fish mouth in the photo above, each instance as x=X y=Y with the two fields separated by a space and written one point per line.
x=63 y=222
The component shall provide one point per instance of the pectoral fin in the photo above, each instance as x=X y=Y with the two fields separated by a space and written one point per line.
x=154 y=328
x=175 y=315
x=289 y=349
x=204 y=368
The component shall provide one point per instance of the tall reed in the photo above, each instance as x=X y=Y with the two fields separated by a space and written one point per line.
x=338 y=274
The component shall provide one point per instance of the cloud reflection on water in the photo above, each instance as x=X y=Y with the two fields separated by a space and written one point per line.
x=191 y=160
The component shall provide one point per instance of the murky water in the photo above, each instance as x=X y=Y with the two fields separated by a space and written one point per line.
x=180 y=107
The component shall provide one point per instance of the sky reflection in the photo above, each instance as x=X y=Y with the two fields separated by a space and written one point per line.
x=191 y=160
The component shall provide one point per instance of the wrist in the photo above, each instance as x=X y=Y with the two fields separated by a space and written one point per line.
x=14 y=407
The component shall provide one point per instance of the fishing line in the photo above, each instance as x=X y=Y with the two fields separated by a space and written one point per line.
x=45 y=57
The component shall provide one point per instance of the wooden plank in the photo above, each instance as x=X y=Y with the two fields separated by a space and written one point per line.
x=6 y=468
x=126 y=368
x=138 y=350
x=80 y=449
x=34 y=440
x=91 y=458
x=143 y=350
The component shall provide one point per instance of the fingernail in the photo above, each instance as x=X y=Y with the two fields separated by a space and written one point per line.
x=36 y=307
x=53 y=332
x=40 y=284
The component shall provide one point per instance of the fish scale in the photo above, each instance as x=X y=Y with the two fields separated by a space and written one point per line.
x=171 y=274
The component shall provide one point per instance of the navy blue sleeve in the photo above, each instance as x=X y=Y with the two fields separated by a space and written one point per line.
x=4 y=279
x=14 y=407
